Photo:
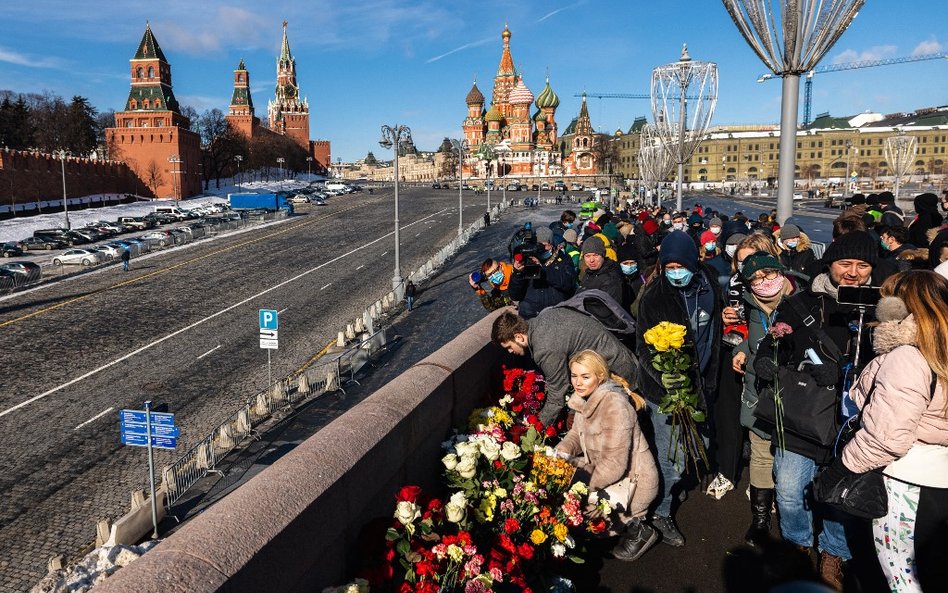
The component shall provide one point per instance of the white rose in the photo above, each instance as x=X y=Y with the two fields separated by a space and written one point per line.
x=510 y=451
x=406 y=512
x=467 y=467
x=467 y=448
x=450 y=460
x=458 y=499
x=455 y=513
x=490 y=449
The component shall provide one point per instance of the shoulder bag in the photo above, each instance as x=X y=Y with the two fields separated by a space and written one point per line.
x=809 y=410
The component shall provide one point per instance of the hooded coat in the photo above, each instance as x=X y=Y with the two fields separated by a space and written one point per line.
x=801 y=258
x=927 y=217
x=902 y=410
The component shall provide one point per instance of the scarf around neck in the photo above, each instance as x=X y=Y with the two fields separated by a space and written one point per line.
x=769 y=304
x=823 y=284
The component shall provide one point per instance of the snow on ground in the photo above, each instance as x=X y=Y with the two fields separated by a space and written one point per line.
x=17 y=229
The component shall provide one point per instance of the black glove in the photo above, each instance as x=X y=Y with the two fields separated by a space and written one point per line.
x=766 y=368
x=826 y=374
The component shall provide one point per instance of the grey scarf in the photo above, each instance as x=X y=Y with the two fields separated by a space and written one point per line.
x=823 y=284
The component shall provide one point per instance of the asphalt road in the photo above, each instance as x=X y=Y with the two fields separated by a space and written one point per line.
x=179 y=328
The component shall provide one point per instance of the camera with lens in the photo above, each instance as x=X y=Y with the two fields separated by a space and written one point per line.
x=523 y=248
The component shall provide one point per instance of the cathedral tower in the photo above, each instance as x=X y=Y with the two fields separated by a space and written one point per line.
x=151 y=135
x=287 y=113
x=505 y=80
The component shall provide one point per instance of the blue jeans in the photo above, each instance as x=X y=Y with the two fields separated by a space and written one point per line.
x=794 y=473
x=670 y=471
x=410 y=302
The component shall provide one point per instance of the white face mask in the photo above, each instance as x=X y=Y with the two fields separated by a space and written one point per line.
x=740 y=266
x=716 y=230
x=678 y=226
x=730 y=250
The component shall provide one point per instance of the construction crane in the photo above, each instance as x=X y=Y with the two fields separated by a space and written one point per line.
x=808 y=91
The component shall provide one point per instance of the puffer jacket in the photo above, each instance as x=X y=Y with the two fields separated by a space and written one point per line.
x=901 y=410
x=801 y=258
x=606 y=432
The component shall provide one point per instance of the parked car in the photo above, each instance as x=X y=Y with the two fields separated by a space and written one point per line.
x=109 y=251
x=11 y=249
x=298 y=199
x=26 y=271
x=545 y=186
x=162 y=238
x=132 y=222
x=319 y=202
x=61 y=235
x=436 y=185
x=85 y=257
x=535 y=187
x=41 y=243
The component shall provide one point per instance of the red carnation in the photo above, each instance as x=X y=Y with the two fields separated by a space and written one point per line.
x=532 y=419
x=550 y=431
x=506 y=544
x=525 y=551
x=408 y=494
x=597 y=525
x=425 y=568
x=511 y=525
x=541 y=396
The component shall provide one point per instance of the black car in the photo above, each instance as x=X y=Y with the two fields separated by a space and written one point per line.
x=435 y=186
x=11 y=249
x=25 y=271
x=41 y=243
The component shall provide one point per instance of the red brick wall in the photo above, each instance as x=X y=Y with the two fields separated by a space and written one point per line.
x=140 y=147
x=30 y=176
x=321 y=152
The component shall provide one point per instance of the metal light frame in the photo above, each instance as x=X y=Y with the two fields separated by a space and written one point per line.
x=900 y=152
x=680 y=126
x=393 y=137
x=175 y=181
x=655 y=162
x=791 y=37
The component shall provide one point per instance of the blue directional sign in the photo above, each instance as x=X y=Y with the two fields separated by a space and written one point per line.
x=161 y=430
x=140 y=440
x=268 y=319
x=139 y=417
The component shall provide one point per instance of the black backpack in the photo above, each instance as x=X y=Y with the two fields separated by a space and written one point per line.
x=602 y=307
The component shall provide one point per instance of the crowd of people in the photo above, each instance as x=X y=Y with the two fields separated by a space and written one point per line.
x=766 y=325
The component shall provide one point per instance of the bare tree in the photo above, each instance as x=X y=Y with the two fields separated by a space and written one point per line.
x=153 y=177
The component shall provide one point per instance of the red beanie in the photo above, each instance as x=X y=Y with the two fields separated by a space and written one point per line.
x=708 y=237
x=650 y=227
x=643 y=215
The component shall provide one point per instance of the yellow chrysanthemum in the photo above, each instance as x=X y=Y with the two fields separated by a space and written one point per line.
x=560 y=532
x=537 y=537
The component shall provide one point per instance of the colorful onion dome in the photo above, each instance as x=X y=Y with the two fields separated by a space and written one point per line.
x=547 y=98
x=493 y=115
x=539 y=116
x=474 y=97
x=521 y=95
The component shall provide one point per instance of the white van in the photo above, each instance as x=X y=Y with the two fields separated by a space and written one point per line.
x=172 y=210
x=336 y=186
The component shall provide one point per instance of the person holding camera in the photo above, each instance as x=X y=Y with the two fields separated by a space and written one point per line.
x=541 y=277
x=822 y=335
x=496 y=274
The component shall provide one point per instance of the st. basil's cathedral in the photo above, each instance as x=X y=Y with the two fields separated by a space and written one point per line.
x=521 y=144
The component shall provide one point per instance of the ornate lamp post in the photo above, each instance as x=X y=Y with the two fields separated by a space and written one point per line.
x=62 y=160
x=791 y=39
x=461 y=147
x=280 y=161
x=309 y=166
x=673 y=86
x=486 y=154
x=900 y=152
x=238 y=158
x=175 y=161
x=393 y=137
x=654 y=161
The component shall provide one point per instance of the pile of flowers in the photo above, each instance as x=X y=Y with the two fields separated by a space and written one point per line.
x=512 y=507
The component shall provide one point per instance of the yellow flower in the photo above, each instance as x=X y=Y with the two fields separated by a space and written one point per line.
x=455 y=553
x=537 y=537
x=665 y=336
x=560 y=532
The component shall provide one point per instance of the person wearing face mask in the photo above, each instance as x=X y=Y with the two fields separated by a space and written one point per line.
x=849 y=260
x=679 y=222
x=496 y=274
x=566 y=221
x=633 y=276
x=556 y=283
x=686 y=293
x=765 y=286
x=796 y=254
x=598 y=271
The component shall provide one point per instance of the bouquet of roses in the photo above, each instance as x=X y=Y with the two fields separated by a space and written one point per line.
x=776 y=332
x=667 y=343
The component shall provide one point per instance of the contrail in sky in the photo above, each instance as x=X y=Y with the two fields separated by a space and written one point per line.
x=557 y=11
x=457 y=49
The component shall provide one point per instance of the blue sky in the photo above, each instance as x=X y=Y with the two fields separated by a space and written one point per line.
x=364 y=63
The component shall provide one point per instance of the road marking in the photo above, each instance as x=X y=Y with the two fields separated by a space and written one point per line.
x=325 y=287
x=384 y=254
x=360 y=267
x=282 y=310
x=200 y=321
x=209 y=351
x=94 y=418
x=417 y=234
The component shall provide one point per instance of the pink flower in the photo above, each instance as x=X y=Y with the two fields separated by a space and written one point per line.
x=780 y=329
x=497 y=574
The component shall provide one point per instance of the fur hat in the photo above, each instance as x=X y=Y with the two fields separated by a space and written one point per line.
x=570 y=236
x=544 y=235
x=891 y=308
x=594 y=245
x=853 y=245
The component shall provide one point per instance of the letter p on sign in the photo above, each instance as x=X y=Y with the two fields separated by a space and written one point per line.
x=268 y=319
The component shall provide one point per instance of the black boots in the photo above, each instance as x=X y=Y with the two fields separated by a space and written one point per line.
x=639 y=536
x=762 y=501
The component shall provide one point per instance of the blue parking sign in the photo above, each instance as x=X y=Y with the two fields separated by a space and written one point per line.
x=268 y=319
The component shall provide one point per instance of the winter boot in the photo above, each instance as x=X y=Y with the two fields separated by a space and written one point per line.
x=669 y=532
x=762 y=499
x=831 y=570
x=639 y=536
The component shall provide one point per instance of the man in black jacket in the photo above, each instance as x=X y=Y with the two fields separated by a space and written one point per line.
x=849 y=261
x=686 y=293
x=556 y=283
x=601 y=272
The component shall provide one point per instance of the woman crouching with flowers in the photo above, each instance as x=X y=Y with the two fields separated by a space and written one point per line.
x=611 y=452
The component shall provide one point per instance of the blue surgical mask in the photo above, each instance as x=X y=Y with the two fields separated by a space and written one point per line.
x=568 y=225
x=629 y=269
x=679 y=277
x=792 y=244
x=885 y=245
x=546 y=255
x=497 y=277
x=710 y=246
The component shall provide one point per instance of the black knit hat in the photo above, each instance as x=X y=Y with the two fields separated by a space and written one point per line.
x=853 y=245
x=627 y=251
x=678 y=247
x=594 y=245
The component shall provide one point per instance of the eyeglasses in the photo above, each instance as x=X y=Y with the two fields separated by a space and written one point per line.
x=765 y=275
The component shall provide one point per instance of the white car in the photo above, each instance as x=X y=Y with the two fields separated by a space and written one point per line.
x=298 y=199
x=85 y=257
x=797 y=196
x=110 y=251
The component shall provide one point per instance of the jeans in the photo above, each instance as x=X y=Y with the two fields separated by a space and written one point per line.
x=669 y=470
x=410 y=301
x=125 y=264
x=795 y=473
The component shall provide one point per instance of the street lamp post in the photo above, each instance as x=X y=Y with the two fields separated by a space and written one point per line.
x=486 y=153
x=309 y=166
x=238 y=158
x=393 y=137
x=175 y=161
x=503 y=177
x=280 y=161
x=461 y=146
x=849 y=162
x=62 y=159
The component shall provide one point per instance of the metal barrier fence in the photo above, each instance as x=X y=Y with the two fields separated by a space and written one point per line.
x=324 y=377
